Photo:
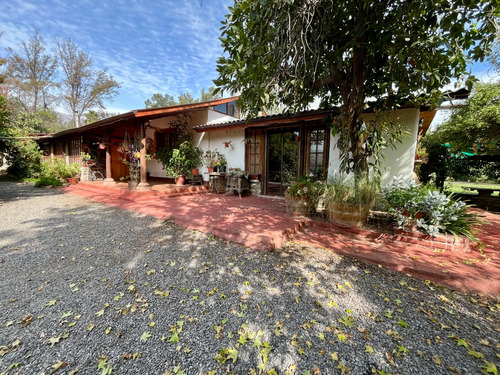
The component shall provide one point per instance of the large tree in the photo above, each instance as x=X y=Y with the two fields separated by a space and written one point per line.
x=84 y=87
x=290 y=52
x=32 y=74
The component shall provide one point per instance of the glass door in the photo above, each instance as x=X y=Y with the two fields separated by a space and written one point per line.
x=283 y=161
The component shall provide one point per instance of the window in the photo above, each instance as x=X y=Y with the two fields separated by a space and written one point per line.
x=166 y=138
x=229 y=109
x=317 y=152
x=254 y=141
x=75 y=149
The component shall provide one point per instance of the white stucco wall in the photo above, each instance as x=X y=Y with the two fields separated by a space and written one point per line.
x=214 y=140
x=206 y=141
x=398 y=161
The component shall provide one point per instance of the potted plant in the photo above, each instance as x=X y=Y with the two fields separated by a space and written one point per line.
x=86 y=159
x=348 y=202
x=183 y=159
x=209 y=160
x=67 y=172
x=302 y=196
x=195 y=155
x=221 y=162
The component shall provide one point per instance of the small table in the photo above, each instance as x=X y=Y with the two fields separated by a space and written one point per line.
x=197 y=179
x=217 y=182
x=237 y=184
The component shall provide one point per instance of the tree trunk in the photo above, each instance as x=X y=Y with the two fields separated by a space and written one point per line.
x=354 y=153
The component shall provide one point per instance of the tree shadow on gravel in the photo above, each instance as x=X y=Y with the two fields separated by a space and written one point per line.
x=90 y=285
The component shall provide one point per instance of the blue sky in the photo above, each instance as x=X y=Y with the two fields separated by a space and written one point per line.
x=167 y=46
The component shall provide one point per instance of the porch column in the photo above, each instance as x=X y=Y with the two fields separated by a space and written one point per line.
x=109 y=181
x=52 y=152
x=143 y=184
x=66 y=150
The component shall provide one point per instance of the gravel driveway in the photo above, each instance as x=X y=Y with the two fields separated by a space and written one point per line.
x=91 y=289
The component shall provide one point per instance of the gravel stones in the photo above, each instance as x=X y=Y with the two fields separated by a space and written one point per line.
x=93 y=286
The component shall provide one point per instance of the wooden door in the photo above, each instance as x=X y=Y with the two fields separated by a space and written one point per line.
x=118 y=169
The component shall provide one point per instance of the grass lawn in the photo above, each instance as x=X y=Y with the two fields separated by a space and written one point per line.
x=456 y=186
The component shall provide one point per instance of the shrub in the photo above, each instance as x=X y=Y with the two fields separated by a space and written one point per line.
x=59 y=170
x=360 y=190
x=47 y=181
x=183 y=159
x=402 y=198
x=405 y=200
x=24 y=158
x=306 y=187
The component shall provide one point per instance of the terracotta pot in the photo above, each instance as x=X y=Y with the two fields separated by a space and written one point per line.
x=299 y=205
x=254 y=176
x=72 y=180
x=347 y=215
x=210 y=169
x=195 y=171
x=180 y=180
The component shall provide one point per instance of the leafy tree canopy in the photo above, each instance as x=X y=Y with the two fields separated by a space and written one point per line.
x=94 y=116
x=346 y=51
x=166 y=100
x=476 y=125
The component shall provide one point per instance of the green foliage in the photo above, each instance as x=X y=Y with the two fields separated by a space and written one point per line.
x=474 y=170
x=131 y=151
x=4 y=114
x=159 y=100
x=436 y=167
x=402 y=195
x=61 y=170
x=306 y=187
x=166 y=100
x=475 y=126
x=94 y=116
x=24 y=158
x=359 y=190
x=211 y=94
x=47 y=181
x=183 y=159
x=213 y=158
x=42 y=121
x=428 y=208
x=291 y=52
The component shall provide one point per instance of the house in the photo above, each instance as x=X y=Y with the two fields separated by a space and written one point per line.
x=273 y=149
